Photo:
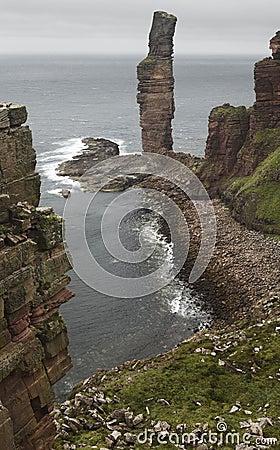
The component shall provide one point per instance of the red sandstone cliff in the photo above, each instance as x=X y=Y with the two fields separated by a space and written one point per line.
x=242 y=161
x=33 y=263
x=232 y=144
x=156 y=86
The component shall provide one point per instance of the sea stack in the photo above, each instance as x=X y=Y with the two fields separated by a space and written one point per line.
x=156 y=86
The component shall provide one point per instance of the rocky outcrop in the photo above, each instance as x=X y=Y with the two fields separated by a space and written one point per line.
x=33 y=284
x=6 y=429
x=228 y=129
x=96 y=150
x=156 y=86
x=112 y=179
x=266 y=110
x=234 y=133
x=243 y=145
x=275 y=46
x=17 y=156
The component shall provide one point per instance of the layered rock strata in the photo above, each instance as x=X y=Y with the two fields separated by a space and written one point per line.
x=156 y=86
x=33 y=284
x=242 y=150
x=233 y=140
x=227 y=132
x=17 y=156
x=275 y=46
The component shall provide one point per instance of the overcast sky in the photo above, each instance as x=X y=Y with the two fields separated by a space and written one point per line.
x=121 y=26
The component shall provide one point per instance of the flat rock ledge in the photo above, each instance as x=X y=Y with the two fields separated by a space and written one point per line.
x=94 y=174
x=83 y=168
x=96 y=150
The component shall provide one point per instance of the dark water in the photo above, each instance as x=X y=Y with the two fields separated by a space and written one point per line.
x=73 y=97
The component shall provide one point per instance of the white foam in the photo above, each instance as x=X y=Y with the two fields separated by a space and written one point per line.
x=49 y=161
x=61 y=151
x=55 y=192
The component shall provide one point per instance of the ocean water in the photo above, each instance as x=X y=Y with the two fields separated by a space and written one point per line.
x=73 y=97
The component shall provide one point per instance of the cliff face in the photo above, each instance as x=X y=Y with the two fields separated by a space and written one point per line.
x=242 y=146
x=33 y=263
x=233 y=132
x=17 y=157
x=156 y=86
x=228 y=129
x=265 y=113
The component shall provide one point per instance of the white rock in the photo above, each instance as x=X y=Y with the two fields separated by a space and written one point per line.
x=115 y=435
x=138 y=419
x=161 y=426
x=234 y=409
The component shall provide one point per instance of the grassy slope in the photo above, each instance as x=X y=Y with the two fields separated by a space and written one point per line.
x=205 y=376
x=256 y=199
x=201 y=379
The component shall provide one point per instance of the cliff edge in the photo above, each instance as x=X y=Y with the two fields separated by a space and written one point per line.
x=33 y=263
x=243 y=151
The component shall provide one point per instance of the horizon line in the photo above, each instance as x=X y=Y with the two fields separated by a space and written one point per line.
x=198 y=56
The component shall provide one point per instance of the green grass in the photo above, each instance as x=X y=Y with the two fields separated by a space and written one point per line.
x=227 y=110
x=197 y=387
x=256 y=198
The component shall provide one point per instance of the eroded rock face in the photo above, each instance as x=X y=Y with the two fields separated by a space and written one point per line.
x=242 y=152
x=6 y=429
x=265 y=113
x=156 y=86
x=33 y=284
x=235 y=145
x=266 y=110
x=17 y=156
x=275 y=46
x=228 y=128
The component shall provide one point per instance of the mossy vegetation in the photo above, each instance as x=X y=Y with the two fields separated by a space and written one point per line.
x=49 y=230
x=227 y=110
x=256 y=199
x=200 y=380
x=4 y=230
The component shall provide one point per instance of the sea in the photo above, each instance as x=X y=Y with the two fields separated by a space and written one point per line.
x=72 y=97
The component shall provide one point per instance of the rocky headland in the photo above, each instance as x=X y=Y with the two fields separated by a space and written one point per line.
x=228 y=374
x=33 y=284
x=242 y=154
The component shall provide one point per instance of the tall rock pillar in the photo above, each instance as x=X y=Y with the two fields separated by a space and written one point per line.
x=156 y=86
x=266 y=113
